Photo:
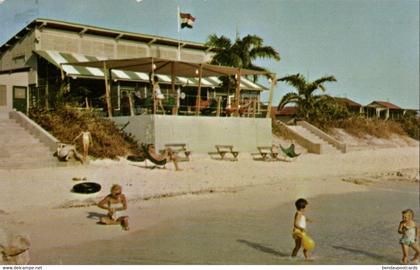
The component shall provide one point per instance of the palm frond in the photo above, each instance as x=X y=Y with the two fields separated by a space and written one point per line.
x=296 y=80
x=264 y=52
x=288 y=98
x=319 y=84
x=221 y=42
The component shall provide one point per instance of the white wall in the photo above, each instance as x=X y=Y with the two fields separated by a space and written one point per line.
x=200 y=134
x=10 y=80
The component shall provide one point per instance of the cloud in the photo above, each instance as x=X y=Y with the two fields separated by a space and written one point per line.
x=1 y=1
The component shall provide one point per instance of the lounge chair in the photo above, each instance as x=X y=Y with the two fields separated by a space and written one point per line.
x=149 y=157
x=290 y=151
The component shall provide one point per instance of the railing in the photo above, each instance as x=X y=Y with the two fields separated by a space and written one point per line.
x=187 y=106
x=172 y=104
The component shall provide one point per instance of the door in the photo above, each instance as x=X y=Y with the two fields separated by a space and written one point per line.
x=20 y=98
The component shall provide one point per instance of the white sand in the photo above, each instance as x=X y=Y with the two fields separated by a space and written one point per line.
x=37 y=201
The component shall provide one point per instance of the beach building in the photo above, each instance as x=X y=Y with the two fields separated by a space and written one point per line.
x=46 y=62
x=351 y=105
x=286 y=114
x=384 y=110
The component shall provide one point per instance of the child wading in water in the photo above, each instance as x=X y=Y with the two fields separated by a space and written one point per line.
x=410 y=231
x=299 y=228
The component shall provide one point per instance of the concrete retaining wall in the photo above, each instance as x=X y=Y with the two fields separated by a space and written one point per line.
x=200 y=134
x=337 y=144
x=35 y=129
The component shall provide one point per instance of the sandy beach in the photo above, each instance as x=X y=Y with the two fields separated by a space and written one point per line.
x=38 y=202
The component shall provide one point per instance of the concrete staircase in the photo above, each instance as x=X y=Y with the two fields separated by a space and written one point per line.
x=19 y=149
x=326 y=148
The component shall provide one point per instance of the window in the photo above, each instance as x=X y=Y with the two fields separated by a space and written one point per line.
x=3 y=95
x=19 y=92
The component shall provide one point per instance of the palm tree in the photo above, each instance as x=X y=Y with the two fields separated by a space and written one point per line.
x=242 y=53
x=305 y=99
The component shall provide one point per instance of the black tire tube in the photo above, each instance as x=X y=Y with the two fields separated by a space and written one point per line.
x=86 y=188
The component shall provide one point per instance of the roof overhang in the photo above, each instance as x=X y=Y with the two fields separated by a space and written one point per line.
x=168 y=66
x=81 y=66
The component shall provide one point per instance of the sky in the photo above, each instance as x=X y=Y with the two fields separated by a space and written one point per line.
x=370 y=46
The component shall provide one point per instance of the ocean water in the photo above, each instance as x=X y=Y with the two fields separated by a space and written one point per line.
x=354 y=228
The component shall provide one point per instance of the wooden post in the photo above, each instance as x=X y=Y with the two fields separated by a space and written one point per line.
x=238 y=92
x=254 y=107
x=219 y=103
x=153 y=88
x=198 y=99
x=47 y=92
x=130 y=101
x=87 y=103
x=270 y=99
x=258 y=104
x=107 y=76
x=62 y=72
x=174 y=109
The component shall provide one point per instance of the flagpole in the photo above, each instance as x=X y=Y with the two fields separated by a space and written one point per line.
x=179 y=33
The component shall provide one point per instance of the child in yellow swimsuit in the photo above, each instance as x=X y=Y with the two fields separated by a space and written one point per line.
x=299 y=230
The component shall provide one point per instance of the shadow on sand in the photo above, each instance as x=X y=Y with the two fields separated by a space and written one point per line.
x=95 y=215
x=381 y=258
x=264 y=249
x=149 y=167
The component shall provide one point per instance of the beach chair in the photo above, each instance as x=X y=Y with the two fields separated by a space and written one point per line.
x=266 y=153
x=222 y=150
x=290 y=151
x=180 y=148
x=149 y=157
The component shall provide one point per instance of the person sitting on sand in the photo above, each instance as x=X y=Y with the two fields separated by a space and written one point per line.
x=114 y=203
x=299 y=227
x=67 y=151
x=410 y=231
x=166 y=154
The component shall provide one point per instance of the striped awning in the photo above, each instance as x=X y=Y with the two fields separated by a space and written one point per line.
x=59 y=58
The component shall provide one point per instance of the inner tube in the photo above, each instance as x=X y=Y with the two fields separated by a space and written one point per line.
x=136 y=158
x=86 y=188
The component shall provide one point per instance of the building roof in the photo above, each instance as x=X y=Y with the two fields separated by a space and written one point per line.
x=287 y=111
x=99 y=31
x=167 y=66
x=347 y=102
x=385 y=104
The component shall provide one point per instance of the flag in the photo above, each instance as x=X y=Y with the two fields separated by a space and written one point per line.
x=187 y=20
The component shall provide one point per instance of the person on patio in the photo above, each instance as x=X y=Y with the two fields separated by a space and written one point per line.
x=158 y=94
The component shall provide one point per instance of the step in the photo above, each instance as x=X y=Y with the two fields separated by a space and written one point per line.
x=326 y=148
x=5 y=140
x=20 y=149
x=307 y=134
